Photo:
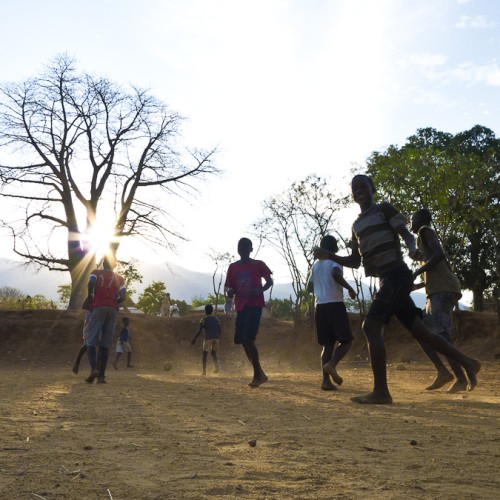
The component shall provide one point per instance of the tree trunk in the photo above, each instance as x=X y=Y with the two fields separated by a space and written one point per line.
x=80 y=266
x=478 y=299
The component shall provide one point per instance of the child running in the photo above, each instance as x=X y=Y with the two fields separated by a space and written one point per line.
x=332 y=323
x=211 y=325
x=244 y=278
x=443 y=291
x=375 y=241
x=123 y=344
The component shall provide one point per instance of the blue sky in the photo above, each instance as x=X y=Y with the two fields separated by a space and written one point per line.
x=284 y=88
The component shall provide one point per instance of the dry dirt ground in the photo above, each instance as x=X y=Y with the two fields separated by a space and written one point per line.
x=155 y=434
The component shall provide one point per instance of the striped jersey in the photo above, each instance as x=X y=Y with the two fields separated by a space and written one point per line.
x=376 y=240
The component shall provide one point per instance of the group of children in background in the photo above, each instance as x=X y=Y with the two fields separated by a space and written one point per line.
x=376 y=244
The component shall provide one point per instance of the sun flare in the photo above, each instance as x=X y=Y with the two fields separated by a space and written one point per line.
x=99 y=238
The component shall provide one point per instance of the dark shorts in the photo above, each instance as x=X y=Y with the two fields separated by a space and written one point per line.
x=393 y=298
x=332 y=323
x=247 y=324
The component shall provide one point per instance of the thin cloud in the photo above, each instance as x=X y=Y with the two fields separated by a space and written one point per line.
x=469 y=72
x=474 y=22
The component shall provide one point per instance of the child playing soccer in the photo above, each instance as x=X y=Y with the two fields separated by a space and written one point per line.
x=123 y=344
x=442 y=290
x=212 y=329
x=330 y=314
x=244 y=278
x=375 y=242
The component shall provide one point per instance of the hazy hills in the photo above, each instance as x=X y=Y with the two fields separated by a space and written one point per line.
x=183 y=284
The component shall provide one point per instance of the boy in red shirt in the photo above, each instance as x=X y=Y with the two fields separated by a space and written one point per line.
x=244 y=278
x=106 y=289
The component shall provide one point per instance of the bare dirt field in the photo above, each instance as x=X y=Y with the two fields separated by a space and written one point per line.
x=155 y=434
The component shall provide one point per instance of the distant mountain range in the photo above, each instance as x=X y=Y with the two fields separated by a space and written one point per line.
x=181 y=283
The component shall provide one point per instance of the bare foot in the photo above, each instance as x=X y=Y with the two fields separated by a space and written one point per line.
x=327 y=385
x=332 y=371
x=114 y=366
x=472 y=369
x=93 y=375
x=441 y=380
x=75 y=368
x=459 y=385
x=257 y=382
x=373 y=399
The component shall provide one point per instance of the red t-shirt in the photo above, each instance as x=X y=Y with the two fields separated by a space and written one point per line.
x=245 y=276
x=107 y=287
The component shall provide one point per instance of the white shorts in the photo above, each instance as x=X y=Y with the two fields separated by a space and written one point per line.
x=211 y=345
x=123 y=347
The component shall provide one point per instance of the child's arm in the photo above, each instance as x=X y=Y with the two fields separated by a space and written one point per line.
x=339 y=278
x=353 y=260
x=409 y=240
x=437 y=255
x=197 y=333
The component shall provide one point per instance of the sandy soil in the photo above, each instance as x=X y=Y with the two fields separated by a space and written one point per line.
x=155 y=434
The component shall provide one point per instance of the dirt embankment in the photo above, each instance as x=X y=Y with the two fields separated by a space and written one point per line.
x=53 y=337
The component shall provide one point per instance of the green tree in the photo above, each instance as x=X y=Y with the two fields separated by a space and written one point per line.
x=12 y=298
x=150 y=300
x=282 y=308
x=64 y=292
x=72 y=142
x=457 y=178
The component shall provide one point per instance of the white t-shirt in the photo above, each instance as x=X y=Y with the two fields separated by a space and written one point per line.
x=326 y=288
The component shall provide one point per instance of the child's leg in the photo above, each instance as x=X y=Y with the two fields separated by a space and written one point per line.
x=376 y=347
x=341 y=350
x=443 y=375
x=76 y=365
x=103 y=358
x=204 y=362
x=326 y=356
x=440 y=344
x=216 y=361
x=129 y=357
x=117 y=357
x=259 y=377
x=92 y=355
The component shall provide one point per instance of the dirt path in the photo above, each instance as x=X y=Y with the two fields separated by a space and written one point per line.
x=151 y=434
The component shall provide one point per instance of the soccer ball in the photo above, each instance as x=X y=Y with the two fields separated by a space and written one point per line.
x=167 y=366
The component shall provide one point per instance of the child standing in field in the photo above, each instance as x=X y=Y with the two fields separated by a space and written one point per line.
x=123 y=344
x=443 y=291
x=332 y=323
x=211 y=325
x=375 y=241
x=244 y=278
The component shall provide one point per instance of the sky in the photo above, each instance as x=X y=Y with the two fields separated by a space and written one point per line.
x=283 y=88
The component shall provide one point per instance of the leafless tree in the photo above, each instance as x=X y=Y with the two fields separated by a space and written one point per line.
x=221 y=263
x=294 y=221
x=74 y=146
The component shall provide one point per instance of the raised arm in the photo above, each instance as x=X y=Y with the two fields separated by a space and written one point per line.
x=409 y=240
x=353 y=260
